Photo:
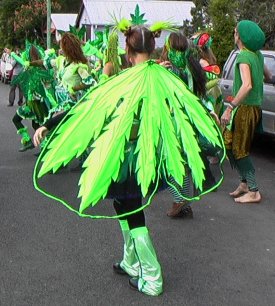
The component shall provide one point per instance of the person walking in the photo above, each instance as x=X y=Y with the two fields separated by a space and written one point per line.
x=178 y=56
x=243 y=114
x=130 y=122
x=17 y=69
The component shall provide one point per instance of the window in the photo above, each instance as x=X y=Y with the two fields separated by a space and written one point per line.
x=270 y=63
x=232 y=67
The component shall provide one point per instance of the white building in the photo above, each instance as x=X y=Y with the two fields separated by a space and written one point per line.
x=96 y=14
x=62 y=22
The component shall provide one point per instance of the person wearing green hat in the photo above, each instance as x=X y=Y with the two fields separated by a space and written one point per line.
x=242 y=116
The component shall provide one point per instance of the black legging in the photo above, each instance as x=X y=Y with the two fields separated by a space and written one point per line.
x=126 y=205
x=17 y=121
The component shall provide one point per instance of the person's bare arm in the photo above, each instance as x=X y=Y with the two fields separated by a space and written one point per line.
x=39 y=135
x=246 y=85
x=242 y=93
x=37 y=63
x=204 y=63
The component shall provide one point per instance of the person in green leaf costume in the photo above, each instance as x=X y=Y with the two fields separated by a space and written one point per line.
x=208 y=62
x=33 y=83
x=180 y=57
x=142 y=127
x=72 y=72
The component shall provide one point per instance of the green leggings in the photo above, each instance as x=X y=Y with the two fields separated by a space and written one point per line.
x=245 y=169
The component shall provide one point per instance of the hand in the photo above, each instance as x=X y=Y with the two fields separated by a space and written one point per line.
x=39 y=135
x=26 y=65
x=226 y=116
x=50 y=52
x=215 y=117
x=165 y=64
x=72 y=92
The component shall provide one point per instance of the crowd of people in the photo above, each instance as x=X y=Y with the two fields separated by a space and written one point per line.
x=141 y=126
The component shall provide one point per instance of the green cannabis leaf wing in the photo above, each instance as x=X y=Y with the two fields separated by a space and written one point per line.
x=170 y=118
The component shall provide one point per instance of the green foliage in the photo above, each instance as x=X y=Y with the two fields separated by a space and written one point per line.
x=35 y=23
x=263 y=13
x=222 y=14
x=200 y=16
x=70 y=6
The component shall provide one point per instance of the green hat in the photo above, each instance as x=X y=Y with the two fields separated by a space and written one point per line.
x=251 y=35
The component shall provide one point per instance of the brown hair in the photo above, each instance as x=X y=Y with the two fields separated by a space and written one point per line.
x=71 y=47
x=34 y=54
x=208 y=55
x=139 y=40
x=177 y=41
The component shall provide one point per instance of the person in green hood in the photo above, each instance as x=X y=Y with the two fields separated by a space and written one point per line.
x=242 y=116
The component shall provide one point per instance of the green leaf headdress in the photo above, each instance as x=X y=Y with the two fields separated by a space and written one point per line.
x=80 y=33
x=137 y=18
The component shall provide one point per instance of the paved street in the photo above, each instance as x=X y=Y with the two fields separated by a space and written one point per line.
x=49 y=256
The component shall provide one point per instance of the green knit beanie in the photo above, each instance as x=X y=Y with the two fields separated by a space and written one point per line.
x=251 y=35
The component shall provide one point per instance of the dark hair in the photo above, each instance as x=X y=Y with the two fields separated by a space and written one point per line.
x=34 y=54
x=207 y=54
x=139 y=40
x=71 y=47
x=178 y=41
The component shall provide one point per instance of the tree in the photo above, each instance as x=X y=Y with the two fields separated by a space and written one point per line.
x=70 y=6
x=32 y=26
x=222 y=14
x=200 y=15
x=7 y=34
x=30 y=19
x=262 y=13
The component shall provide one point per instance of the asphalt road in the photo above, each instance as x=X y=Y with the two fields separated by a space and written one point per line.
x=49 y=256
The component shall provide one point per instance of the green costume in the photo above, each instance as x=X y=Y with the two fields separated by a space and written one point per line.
x=138 y=135
x=36 y=84
x=245 y=118
x=214 y=93
x=141 y=127
x=68 y=75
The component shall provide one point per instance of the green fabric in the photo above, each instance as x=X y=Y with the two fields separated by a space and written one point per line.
x=124 y=225
x=139 y=231
x=251 y=35
x=25 y=137
x=256 y=64
x=230 y=124
x=32 y=80
x=150 y=279
x=212 y=83
x=247 y=171
x=177 y=58
x=129 y=263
